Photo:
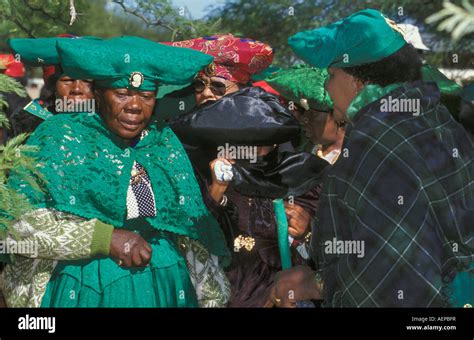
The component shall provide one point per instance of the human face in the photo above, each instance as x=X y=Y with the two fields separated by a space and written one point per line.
x=297 y=112
x=74 y=89
x=320 y=127
x=212 y=88
x=342 y=88
x=126 y=112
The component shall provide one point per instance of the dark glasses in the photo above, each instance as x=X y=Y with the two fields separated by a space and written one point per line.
x=216 y=87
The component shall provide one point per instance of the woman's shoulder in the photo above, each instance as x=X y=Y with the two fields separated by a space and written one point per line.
x=71 y=118
x=59 y=125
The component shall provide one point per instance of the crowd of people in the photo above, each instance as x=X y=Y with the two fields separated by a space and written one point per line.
x=370 y=148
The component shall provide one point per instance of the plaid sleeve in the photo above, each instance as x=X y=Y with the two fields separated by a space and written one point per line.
x=392 y=227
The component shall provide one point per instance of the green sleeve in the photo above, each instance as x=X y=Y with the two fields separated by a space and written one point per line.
x=101 y=238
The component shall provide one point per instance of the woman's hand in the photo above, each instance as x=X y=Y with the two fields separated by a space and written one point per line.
x=129 y=249
x=298 y=220
x=218 y=188
x=295 y=284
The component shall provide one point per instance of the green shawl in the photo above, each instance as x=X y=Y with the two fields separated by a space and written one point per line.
x=87 y=172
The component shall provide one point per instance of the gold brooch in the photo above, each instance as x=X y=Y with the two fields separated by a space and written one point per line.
x=242 y=241
x=136 y=176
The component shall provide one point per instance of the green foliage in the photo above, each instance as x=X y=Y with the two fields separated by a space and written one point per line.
x=14 y=156
x=8 y=85
x=274 y=21
x=457 y=20
x=47 y=18
x=169 y=22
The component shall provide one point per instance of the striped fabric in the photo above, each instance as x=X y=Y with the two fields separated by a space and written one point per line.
x=140 y=197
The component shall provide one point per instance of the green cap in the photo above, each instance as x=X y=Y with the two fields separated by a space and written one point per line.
x=363 y=37
x=40 y=51
x=304 y=85
x=130 y=62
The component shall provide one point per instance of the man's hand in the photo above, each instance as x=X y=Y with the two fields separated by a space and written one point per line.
x=295 y=284
x=298 y=220
x=129 y=249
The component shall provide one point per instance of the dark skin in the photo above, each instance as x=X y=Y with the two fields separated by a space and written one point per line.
x=299 y=283
x=74 y=89
x=298 y=218
x=323 y=128
x=126 y=113
x=208 y=95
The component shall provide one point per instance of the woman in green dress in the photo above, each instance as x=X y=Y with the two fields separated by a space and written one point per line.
x=120 y=221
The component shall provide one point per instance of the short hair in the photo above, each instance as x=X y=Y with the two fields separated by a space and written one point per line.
x=401 y=66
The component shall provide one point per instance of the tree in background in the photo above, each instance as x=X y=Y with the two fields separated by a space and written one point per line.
x=274 y=21
x=157 y=20
x=47 y=18
x=14 y=156
x=459 y=21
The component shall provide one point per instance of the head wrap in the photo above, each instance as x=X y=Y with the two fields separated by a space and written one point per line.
x=11 y=67
x=264 y=85
x=304 y=86
x=361 y=38
x=235 y=59
x=41 y=52
x=250 y=116
x=130 y=62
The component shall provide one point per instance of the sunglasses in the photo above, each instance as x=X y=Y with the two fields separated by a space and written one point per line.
x=216 y=87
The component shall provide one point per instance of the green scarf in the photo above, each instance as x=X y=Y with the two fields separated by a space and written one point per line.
x=369 y=94
x=87 y=171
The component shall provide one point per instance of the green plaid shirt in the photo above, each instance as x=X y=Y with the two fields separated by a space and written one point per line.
x=403 y=185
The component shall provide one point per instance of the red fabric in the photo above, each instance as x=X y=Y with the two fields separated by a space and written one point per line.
x=264 y=85
x=13 y=68
x=48 y=71
x=235 y=59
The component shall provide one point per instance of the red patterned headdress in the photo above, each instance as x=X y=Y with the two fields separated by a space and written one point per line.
x=235 y=59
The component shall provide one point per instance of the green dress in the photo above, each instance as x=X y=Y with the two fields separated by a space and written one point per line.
x=86 y=173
